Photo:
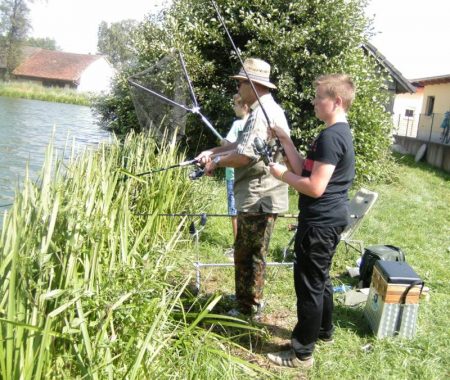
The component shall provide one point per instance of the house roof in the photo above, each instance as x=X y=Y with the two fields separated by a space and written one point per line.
x=440 y=79
x=402 y=84
x=57 y=65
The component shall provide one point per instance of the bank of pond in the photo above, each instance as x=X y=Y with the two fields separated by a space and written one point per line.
x=30 y=90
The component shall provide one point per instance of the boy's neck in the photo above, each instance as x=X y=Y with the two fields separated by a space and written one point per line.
x=336 y=117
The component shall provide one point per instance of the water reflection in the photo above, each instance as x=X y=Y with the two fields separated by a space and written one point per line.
x=26 y=128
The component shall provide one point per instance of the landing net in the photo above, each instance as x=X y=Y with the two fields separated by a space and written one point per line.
x=161 y=98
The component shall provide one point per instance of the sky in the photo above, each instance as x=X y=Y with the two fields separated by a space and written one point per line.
x=74 y=23
x=412 y=34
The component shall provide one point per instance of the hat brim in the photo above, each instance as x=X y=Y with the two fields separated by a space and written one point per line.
x=261 y=82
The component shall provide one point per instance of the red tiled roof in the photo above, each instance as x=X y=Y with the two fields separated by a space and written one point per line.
x=51 y=64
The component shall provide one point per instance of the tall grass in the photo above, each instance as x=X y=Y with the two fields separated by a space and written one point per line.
x=30 y=90
x=87 y=274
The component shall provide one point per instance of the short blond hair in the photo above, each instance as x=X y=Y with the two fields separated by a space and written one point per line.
x=338 y=85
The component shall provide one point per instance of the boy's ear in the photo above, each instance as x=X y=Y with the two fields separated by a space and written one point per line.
x=339 y=101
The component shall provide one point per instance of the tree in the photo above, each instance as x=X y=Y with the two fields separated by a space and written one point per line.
x=14 y=27
x=301 y=40
x=44 y=43
x=116 y=42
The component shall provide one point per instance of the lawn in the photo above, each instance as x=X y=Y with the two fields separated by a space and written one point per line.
x=413 y=213
x=96 y=283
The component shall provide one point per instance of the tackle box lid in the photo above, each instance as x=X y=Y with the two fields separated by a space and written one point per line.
x=397 y=272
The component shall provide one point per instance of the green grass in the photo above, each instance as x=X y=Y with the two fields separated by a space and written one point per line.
x=413 y=213
x=94 y=284
x=29 y=90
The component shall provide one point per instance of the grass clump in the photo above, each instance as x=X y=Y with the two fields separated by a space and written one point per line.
x=30 y=90
x=90 y=279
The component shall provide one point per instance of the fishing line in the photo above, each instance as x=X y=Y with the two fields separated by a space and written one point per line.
x=222 y=21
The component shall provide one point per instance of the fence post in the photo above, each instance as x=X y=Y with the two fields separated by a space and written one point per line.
x=431 y=127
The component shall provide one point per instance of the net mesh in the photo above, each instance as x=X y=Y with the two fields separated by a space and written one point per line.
x=162 y=98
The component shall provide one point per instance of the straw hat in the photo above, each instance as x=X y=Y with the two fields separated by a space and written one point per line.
x=257 y=70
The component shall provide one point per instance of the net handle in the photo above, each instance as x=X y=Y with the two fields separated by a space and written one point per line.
x=195 y=110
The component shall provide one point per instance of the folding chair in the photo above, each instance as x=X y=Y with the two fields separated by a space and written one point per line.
x=359 y=206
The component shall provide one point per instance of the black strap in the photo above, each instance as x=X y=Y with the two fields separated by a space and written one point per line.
x=403 y=301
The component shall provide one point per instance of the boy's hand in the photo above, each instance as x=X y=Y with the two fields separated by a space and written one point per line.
x=277 y=169
x=276 y=131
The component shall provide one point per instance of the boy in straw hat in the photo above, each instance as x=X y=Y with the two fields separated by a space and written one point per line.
x=259 y=196
x=322 y=180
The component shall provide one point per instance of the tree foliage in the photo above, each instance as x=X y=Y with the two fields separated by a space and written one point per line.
x=300 y=39
x=115 y=41
x=42 y=42
x=14 y=27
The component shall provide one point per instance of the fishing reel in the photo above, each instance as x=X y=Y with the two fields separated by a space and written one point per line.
x=263 y=149
x=269 y=152
x=197 y=174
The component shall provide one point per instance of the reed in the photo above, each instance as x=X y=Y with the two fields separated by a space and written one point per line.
x=30 y=90
x=87 y=281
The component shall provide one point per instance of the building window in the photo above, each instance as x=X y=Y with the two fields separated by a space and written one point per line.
x=430 y=106
x=409 y=113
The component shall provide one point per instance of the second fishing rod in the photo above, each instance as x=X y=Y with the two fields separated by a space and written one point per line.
x=272 y=150
x=196 y=174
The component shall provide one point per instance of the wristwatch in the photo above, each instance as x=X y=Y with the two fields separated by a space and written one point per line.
x=216 y=161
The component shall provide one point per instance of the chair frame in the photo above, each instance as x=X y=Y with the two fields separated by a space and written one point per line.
x=359 y=207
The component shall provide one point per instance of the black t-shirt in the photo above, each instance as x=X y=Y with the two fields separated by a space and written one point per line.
x=334 y=145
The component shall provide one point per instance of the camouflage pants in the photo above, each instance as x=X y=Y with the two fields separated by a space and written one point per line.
x=250 y=251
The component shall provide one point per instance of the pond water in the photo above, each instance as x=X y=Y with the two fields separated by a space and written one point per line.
x=27 y=127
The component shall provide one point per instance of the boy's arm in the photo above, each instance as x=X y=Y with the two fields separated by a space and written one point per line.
x=313 y=186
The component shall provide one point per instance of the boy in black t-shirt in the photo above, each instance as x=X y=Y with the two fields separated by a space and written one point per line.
x=322 y=179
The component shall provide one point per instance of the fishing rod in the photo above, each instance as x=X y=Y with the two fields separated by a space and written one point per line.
x=198 y=173
x=180 y=165
x=203 y=215
x=222 y=21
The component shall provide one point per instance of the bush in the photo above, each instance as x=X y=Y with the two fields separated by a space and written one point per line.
x=301 y=40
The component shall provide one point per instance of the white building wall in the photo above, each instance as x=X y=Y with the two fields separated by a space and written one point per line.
x=404 y=124
x=97 y=77
x=430 y=125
